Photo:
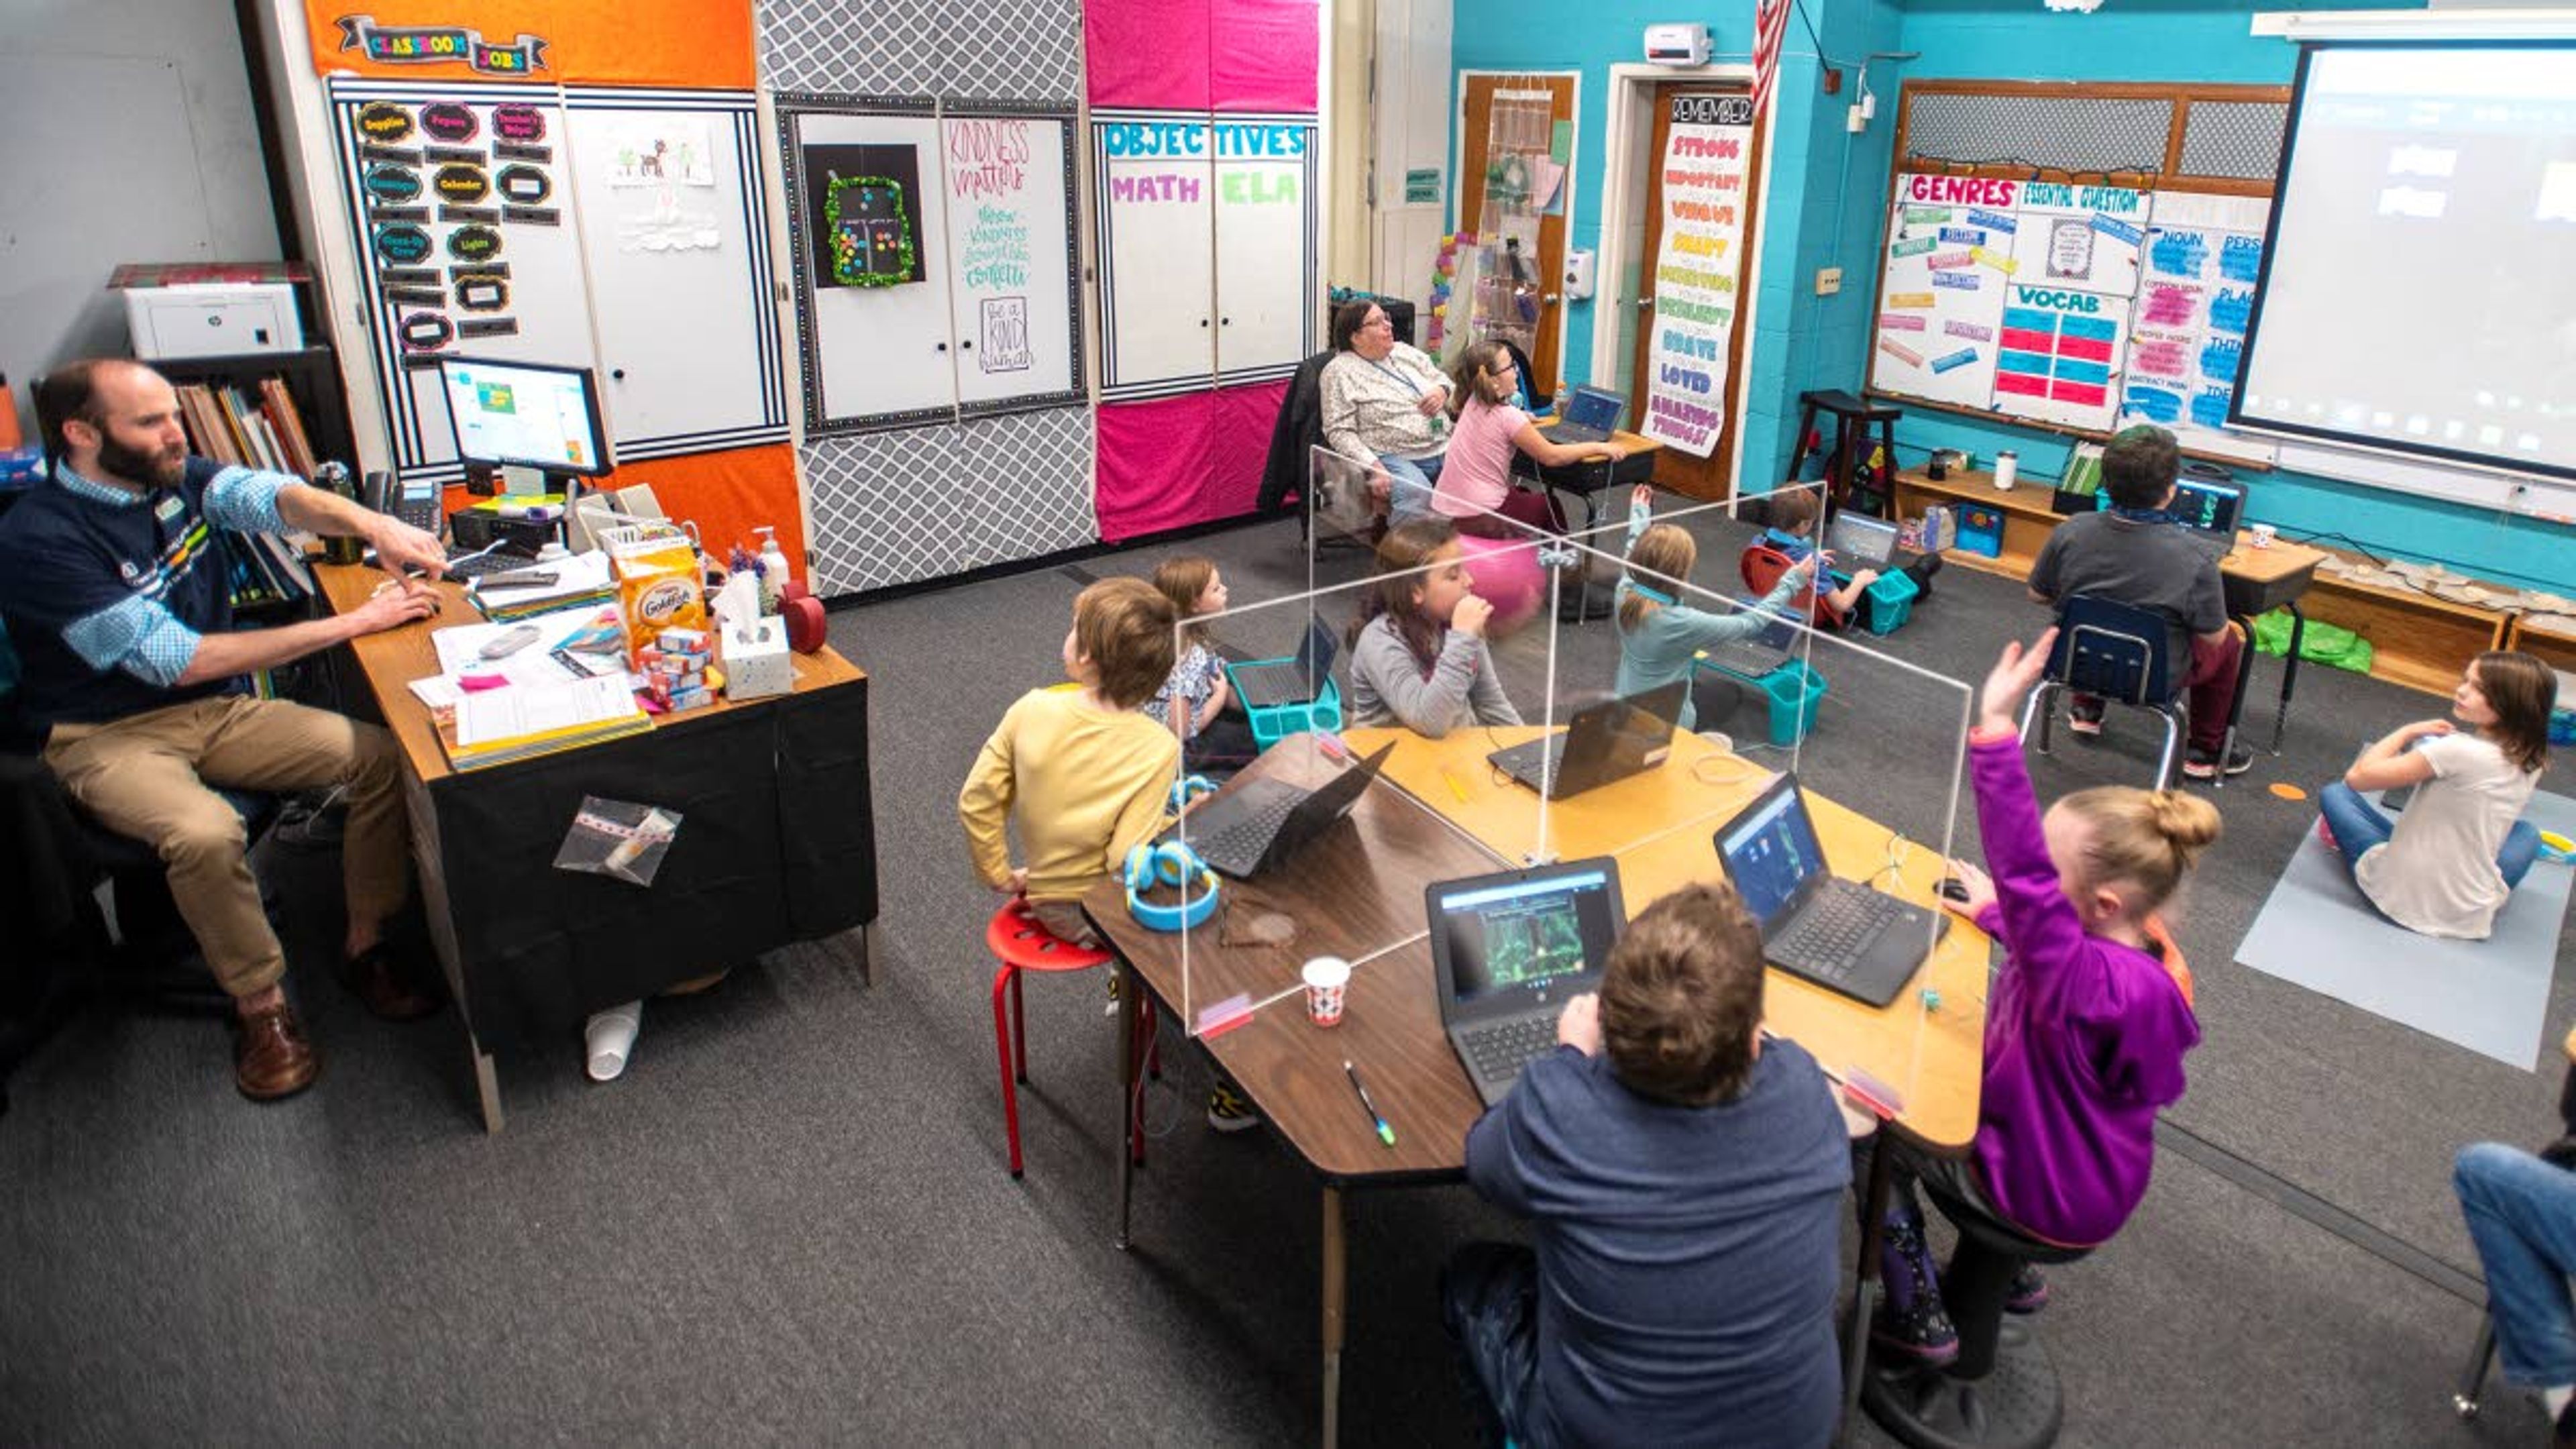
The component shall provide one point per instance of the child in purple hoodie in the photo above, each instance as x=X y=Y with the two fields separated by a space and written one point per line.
x=2085 y=1028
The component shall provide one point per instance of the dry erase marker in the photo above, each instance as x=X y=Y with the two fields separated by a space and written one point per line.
x=1385 y=1133
x=1454 y=787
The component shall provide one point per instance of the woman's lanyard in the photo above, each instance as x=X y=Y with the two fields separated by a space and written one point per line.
x=1400 y=380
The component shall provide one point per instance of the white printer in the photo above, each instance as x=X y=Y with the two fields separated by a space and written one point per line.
x=212 y=319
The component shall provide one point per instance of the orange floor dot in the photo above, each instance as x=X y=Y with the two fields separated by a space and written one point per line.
x=2287 y=791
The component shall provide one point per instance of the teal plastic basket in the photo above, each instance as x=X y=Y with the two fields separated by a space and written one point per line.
x=1891 y=600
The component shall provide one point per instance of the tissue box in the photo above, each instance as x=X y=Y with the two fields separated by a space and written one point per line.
x=756 y=662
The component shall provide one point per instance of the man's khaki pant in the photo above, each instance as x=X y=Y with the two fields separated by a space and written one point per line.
x=153 y=777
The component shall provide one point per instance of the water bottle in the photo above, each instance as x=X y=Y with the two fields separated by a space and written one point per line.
x=1564 y=394
x=339 y=548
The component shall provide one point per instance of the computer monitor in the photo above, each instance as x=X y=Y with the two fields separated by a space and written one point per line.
x=526 y=415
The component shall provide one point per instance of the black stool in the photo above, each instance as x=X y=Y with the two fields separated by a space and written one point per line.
x=1853 y=417
x=2002 y=1393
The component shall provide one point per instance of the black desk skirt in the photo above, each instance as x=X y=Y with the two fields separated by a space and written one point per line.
x=1589 y=479
x=777 y=844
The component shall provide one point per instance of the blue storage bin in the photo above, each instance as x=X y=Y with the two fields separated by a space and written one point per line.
x=1793 y=690
x=1270 y=726
x=1891 y=599
x=1981 y=530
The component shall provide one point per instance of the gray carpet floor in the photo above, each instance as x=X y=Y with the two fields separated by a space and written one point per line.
x=791 y=1221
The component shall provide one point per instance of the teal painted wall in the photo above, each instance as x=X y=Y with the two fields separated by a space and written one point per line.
x=1827 y=202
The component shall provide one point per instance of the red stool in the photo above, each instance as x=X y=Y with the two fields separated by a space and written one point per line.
x=1016 y=939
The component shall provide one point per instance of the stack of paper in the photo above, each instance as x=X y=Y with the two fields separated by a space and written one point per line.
x=580 y=578
x=497 y=726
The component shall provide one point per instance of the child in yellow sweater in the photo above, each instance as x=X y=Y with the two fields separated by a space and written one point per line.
x=1085 y=772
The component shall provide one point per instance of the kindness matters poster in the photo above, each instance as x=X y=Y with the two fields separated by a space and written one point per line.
x=1699 y=267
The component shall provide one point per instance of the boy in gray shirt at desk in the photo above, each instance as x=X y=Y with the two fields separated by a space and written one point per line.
x=2133 y=554
x=1684 y=1177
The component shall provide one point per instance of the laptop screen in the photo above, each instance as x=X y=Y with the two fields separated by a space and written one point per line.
x=1861 y=536
x=1770 y=851
x=2209 y=507
x=1594 y=407
x=1514 y=936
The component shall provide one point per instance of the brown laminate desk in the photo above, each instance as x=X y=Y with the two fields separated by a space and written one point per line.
x=1358 y=893
x=2257 y=580
x=777 y=842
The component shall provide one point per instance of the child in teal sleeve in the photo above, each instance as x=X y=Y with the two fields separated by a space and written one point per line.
x=1660 y=637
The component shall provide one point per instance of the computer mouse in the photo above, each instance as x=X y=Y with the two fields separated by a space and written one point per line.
x=1953 y=888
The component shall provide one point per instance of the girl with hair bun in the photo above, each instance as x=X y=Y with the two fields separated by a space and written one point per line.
x=2085 y=1026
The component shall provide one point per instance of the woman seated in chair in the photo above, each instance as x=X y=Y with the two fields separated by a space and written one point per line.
x=1386 y=403
x=2446 y=864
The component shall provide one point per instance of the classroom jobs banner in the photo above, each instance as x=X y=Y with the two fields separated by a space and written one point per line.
x=1699 y=265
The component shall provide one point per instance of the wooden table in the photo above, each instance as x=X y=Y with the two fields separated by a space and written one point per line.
x=2550 y=636
x=776 y=843
x=2257 y=580
x=1358 y=893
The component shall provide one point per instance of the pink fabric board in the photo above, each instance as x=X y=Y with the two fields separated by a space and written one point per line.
x=1265 y=55
x=1154 y=460
x=1154 y=53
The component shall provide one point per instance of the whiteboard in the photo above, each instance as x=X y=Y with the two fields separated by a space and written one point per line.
x=1154 y=177
x=1009 y=253
x=871 y=221
x=1940 y=306
x=679 y=268
x=1265 y=245
x=469 y=245
x=2196 y=290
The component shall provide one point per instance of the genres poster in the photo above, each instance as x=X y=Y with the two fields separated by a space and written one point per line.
x=2195 y=296
x=1940 y=308
x=1698 y=269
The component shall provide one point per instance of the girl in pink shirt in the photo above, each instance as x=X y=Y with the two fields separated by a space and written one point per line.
x=1476 y=482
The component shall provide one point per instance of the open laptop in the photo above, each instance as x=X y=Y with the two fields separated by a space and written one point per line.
x=1756 y=656
x=1508 y=951
x=1254 y=825
x=1859 y=541
x=2208 y=512
x=1605 y=742
x=1270 y=683
x=1839 y=934
x=1591 y=416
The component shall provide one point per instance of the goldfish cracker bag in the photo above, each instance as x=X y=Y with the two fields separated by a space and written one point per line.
x=659 y=585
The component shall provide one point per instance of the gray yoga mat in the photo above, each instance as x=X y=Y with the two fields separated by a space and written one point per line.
x=2491 y=996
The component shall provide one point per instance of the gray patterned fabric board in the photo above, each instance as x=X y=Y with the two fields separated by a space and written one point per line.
x=982 y=50
x=924 y=503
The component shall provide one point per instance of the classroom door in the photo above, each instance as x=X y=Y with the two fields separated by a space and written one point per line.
x=1478 y=100
x=1701 y=197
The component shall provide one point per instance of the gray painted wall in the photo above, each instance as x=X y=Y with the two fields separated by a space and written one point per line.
x=127 y=135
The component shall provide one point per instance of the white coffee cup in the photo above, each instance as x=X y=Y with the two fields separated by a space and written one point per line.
x=2007 y=464
x=2259 y=535
x=1328 y=980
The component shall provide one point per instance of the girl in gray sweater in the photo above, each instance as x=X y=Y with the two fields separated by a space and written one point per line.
x=1418 y=655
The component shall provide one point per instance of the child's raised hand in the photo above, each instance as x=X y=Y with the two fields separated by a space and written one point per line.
x=1472 y=614
x=1641 y=499
x=2011 y=678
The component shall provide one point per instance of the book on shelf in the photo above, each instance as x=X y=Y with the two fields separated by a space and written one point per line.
x=254 y=427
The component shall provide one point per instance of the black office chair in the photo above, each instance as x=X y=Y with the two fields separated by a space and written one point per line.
x=2117 y=652
x=2002 y=1391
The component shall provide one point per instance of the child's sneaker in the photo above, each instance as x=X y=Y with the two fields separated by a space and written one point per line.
x=1229 y=1110
x=2327 y=836
x=2203 y=764
x=1912 y=1323
x=2029 y=1291
x=2084 y=719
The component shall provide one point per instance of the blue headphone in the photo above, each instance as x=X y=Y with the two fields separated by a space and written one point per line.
x=1175 y=864
x=1186 y=789
x=1647 y=591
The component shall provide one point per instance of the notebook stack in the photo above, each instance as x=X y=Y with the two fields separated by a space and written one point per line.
x=523 y=721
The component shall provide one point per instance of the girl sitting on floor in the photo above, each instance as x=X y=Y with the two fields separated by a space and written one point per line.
x=1660 y=636
x=2445 y=866
x=1418 y=655
x=1476 y=481
x=1193 y=701
x=2085 y=1028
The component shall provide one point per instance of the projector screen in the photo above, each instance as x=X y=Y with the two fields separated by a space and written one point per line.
x=2419 y=282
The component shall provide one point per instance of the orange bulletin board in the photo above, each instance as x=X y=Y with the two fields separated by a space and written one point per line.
x=726 y=494
x=638 y=42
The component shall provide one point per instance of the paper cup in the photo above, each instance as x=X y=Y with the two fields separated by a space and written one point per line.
x=1328 y=980
x=2259 y=535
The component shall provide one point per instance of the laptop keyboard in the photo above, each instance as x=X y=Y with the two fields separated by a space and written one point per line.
x=1836 y=927
x=1266 y=685
x=1498 y=1051
x=1240 y=844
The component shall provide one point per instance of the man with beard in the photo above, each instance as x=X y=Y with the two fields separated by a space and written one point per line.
x=113 y=591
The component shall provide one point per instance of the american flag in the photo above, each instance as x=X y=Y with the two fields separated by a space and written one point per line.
x=1770 y=23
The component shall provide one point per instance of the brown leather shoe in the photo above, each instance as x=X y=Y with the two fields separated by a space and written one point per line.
x=272 y=1057
x=380 y=983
